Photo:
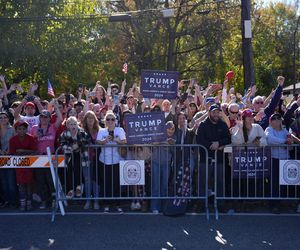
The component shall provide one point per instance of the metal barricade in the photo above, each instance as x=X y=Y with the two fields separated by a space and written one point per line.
x=270 y=173
x=166 y=177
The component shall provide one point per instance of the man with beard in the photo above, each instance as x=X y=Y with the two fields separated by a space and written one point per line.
x=213 y=134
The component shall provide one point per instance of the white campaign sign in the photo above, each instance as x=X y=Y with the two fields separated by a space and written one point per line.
x=289 y=172
x=132 y=172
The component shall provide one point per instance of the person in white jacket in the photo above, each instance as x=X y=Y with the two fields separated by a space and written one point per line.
x=248 y=132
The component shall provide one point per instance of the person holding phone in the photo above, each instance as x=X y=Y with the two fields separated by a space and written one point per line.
x=248 y=132
x=109 y=175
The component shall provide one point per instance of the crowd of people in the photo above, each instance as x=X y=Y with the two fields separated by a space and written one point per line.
x=213 y=117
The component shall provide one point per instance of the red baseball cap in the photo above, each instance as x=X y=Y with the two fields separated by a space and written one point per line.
x=247 y=113
x=229 y=75
x=29 y=104
x=20 y=123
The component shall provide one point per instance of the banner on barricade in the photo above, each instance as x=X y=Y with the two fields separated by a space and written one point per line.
x=29 y=161
x=132 y=172
x=250 y=162
x=159 y=84
x=145 y=128
x=289 y=172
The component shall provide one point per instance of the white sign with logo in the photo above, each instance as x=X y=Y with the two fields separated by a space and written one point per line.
x=132 y=172
x=289 y=172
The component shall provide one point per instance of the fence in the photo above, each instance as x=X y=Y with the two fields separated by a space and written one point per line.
x=170 y=176
x=270 y=173
x=167 y=176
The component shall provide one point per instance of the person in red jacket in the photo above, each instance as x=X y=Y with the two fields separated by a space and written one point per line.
x=23 y=144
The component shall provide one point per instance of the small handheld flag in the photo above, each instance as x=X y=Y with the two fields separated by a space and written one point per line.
x=50 y=89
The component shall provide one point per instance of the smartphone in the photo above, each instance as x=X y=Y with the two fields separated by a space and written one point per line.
x=67 y=98
x=183 y=97
x=40 y=131
x=111 y=133
x=147 y=101
x=92 y=94
x=116 y=100
x=123 y=100
x=80 y=87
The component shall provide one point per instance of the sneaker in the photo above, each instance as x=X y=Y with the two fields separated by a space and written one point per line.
x=4 y=204
x=231 y=211
x=87 y=205
x=138 y=205
x=36 y=198
x=22 y=205
x=96 y=205
x=156 y=212
x=210 y=193
x=43 y=205
x=120 y=210
x=28 y=205
x=106 y=210
x=70 y=194
x=133 y=206
x=79 y=190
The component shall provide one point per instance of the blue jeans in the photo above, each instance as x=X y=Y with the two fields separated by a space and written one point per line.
x=89 y=181
x=159 y=183
x=8 y=185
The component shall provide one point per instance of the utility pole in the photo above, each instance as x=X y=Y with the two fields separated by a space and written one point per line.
x=247 y=44
x=295 y=56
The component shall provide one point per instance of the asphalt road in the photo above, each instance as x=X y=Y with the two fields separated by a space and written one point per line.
x=149 y=232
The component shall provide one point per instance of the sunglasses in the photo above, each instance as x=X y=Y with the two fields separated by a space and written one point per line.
x=110 y=119
x=233 y=112
x=259 y=102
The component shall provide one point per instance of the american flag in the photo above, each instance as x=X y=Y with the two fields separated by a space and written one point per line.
x=50 y=89
x=125 y=68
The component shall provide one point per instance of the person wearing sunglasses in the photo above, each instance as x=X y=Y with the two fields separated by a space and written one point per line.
x=247 y=132
x=233 y=114
x=266 y=112
x=108 y=173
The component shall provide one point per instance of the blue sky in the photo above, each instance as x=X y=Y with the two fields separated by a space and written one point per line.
x=289 y=2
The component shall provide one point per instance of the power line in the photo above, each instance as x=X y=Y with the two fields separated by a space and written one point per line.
x=99 y=16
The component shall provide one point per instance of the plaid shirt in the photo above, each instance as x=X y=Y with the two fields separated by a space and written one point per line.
x=78 y=144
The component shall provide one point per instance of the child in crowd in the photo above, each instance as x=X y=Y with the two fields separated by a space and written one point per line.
x=23 y=144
